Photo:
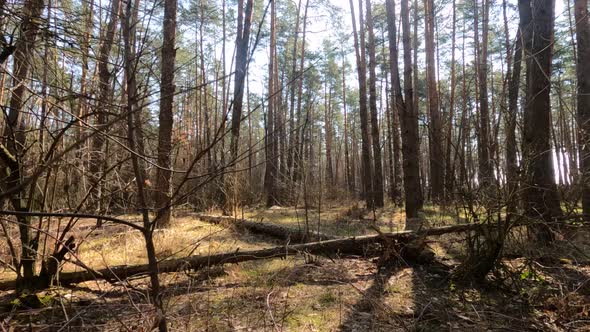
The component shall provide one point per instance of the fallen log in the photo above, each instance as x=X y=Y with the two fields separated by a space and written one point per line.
x=273 y=230
x=345 y=246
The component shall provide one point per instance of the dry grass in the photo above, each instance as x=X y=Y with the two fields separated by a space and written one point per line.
x=345 y=220
x=187 y=237
x=308 y=293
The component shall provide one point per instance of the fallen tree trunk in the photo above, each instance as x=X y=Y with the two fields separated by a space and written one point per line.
x=274 y=230
x=344 y=246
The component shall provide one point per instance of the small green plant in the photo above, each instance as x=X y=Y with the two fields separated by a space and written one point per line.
x=531 y=275
x=32 y=301
x=327 y=298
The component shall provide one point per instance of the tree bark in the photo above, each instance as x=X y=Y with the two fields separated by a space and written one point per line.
x=583 y=98
x=540 y=192
x=271 y=170
x=406 y=108
x=294 y=81
x=242 y=39
x=241 y=68
x=483 y=144
x=513 y=91
x=328 y=119
x=102 y=105
x=415 y=42
x=377 y=194
x=359 y=46
x=449 y=163
x=435 y=128
x=348 y=163
x=166 y=116
x=301 y=122
x=397 y=155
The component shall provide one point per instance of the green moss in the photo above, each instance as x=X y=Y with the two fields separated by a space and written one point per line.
x=32 y=301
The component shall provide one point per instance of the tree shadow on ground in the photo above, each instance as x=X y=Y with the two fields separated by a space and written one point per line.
x=564 y=294
x=120 y=306
x=370 y=313
x=440 y=303
x=102 y=313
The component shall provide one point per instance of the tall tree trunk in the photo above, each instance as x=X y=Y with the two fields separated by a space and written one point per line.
x=464 y=126
x=449 y=163
x=513 y=89
x=97 y=157
x=394 y=144
x=540 y=192
x=328 y=118
x=397 y=155
x=377 y=159
x=204 y=108
x=435 y=128
x=406 y=108
x=483 y=144
x=395 y=140
x=242 y=39
x=270 y=177
x=359 y=45
x=348 y=164
x=583 y=102
x=82 y=107
x=294 y=80
x=301 y=123
x=416 y=106
x=166 y=116
x=241 y=67
x=224 y=108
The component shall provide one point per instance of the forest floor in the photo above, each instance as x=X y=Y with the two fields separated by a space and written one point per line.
x=309 y=293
